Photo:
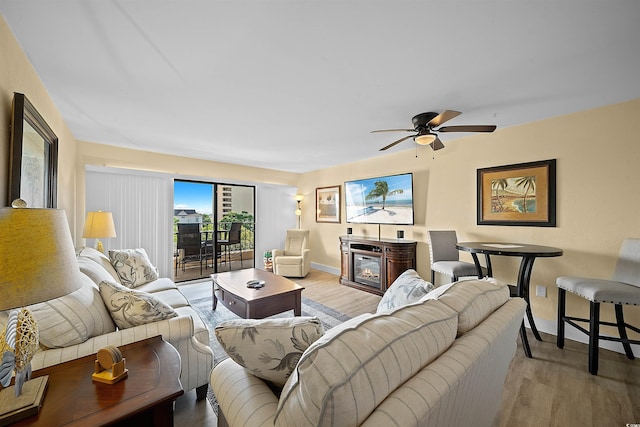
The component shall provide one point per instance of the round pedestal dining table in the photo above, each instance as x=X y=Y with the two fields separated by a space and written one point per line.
x=528 y=254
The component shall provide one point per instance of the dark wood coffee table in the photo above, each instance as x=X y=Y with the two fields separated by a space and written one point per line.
x=278 y=294
x=144 y=398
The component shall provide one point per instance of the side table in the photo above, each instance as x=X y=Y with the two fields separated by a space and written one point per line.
x=144 y=398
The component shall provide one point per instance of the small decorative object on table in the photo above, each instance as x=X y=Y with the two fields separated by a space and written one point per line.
x=110 y=366
x=255 y=284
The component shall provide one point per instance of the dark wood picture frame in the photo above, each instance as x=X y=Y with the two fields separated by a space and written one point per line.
x=328 y=204
x=519 y=194
x=33 y=161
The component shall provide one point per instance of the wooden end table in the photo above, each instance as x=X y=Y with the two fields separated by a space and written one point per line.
x=279 y=294
x=144 y=398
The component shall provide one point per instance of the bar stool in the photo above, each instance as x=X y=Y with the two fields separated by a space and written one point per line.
x=622 y=289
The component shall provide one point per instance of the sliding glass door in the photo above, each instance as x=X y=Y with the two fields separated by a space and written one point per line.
x=214 y=228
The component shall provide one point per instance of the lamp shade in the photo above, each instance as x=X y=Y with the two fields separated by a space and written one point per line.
x=99 y=225
x=425 y=139
x=37 y=257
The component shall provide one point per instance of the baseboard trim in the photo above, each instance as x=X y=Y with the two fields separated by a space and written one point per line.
x=326 y=268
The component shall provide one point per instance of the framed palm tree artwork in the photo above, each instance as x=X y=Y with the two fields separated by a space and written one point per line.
x=520 y=194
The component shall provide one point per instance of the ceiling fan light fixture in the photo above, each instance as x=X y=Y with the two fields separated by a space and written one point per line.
x=425 y=139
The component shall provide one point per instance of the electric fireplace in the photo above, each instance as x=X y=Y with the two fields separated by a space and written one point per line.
x=366 y=269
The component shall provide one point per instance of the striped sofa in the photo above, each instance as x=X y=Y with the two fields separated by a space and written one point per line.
x=78 y=325
x=441 y=361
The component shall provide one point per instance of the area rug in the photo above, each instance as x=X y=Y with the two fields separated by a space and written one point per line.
x=328 y=316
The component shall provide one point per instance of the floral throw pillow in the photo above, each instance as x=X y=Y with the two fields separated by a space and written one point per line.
x=268 y=348
x=130 y=308
x=133 y=267
x=408 y=288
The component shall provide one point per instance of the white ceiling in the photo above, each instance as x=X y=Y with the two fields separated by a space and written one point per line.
x=297 y=85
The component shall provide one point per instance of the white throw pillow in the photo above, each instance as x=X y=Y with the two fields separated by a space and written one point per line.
x=133 y=266
x=408 y=288
x=129 y=307
x=268 y=348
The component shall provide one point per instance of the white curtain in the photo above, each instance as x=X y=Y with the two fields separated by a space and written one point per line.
x=142 y=207
x=275 y=213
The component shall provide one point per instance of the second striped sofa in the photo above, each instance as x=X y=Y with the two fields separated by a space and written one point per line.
x=439 y=362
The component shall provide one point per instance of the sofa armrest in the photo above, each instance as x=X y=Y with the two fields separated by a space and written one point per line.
x=306 y=259
x=276 y=253
x=196 y=358
x=244 y=399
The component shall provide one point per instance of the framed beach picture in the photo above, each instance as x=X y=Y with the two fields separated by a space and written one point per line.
x=328 y=204
x=518 y=194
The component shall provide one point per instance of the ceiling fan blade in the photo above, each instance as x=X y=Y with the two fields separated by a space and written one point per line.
x=437 y=144
x=468 y=128
x=397 y=142
x=445 y=116
x=393 y=130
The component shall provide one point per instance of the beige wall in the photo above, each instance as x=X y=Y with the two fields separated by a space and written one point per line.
x=17 y=75
x=597 y=152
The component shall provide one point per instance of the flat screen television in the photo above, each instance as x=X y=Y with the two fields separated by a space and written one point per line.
x=381 y=200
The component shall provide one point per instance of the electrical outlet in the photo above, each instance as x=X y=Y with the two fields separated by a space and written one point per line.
x=541 y=291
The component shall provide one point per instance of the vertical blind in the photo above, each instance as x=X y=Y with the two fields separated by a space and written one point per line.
x=142 y=207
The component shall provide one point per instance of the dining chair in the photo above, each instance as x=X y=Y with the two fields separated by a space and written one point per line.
x=445 y=258
x=233 y=236
x=189 y=244
x=622 y=289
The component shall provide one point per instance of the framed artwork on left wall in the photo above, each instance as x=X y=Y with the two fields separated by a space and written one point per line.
x=328 y=204
x=33 y=159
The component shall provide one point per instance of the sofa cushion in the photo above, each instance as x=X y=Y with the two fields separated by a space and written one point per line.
x=100 y=259
x=73 y=318
x=172 y=297
x=133 y=267
x=294 y=245
x=343 y=377
x=409 y=287
x=96 y=272
x=268 y=348
x=290 y=260
x=159 y=285
x=129 y=307
x=474 y=300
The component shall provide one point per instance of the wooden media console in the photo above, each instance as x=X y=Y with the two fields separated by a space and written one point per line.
x=373 y=264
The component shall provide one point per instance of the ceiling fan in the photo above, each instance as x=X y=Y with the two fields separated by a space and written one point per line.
x=426 y=127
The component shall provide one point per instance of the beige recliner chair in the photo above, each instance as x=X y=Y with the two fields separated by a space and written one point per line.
x=295 y=259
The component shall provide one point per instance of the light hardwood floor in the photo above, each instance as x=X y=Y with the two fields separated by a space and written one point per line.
x=552 y=389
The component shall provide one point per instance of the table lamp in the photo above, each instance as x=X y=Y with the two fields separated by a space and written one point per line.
x=99 y=225
x=37 y=263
